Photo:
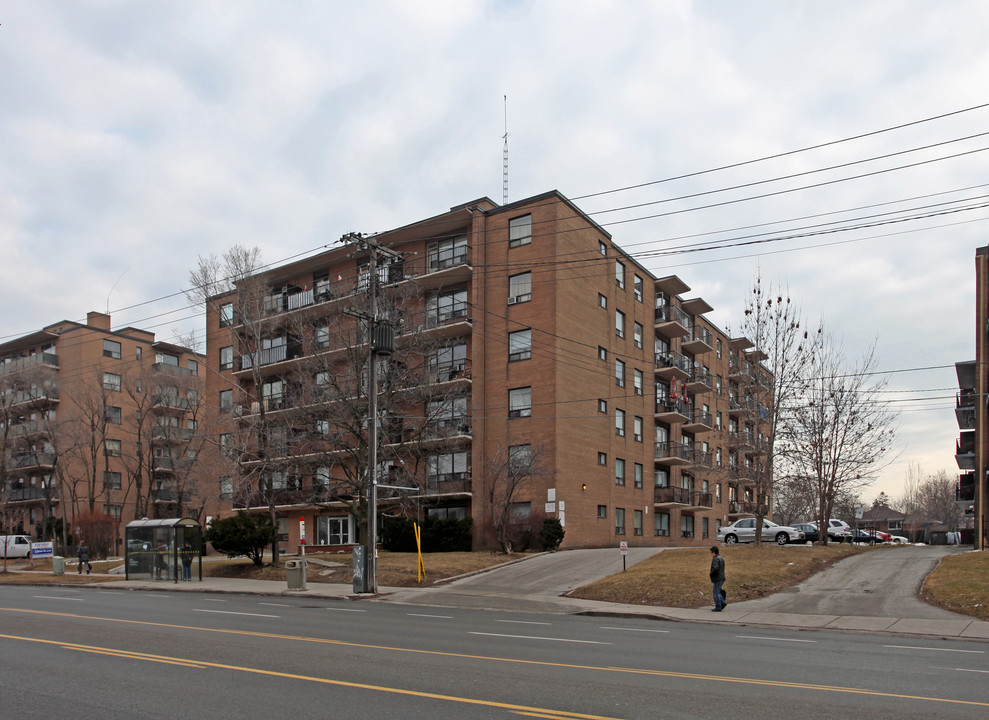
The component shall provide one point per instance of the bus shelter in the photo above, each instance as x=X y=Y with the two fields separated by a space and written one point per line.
x=167 y=550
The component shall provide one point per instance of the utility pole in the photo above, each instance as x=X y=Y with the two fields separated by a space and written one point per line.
x=381 y=342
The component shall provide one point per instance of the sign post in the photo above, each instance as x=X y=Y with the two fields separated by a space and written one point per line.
x=624 y=549
x=302 y=541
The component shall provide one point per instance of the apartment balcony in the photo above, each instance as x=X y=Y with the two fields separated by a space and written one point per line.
x=449 y=485
x=673 y=453
x=967 y=373
x=739 y=439
x=31 y=428
x=700 y=458
x=672 y=322
x=965 y=410
x=168 y=369
x=670 y=496
x=49 y=360
x=700 y=381
x=168 y=403
x=166 y=434
x=965 y=490
x=672 y=411
x=172 y=496
x=40 y=461
x=965 y=451
x=699 y=421
x=673 y=366
x=698 y=500
x=270 y=404
x=35 y=397
x=449 y=372
x=281 y=497
x=446 y=428
x=269 y=356
x=26 y=494
x=742 y=406
x=739 y=369
x=165 y=464
x=699 y=342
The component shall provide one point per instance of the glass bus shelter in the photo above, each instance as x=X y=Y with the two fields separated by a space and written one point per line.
x=167 y=550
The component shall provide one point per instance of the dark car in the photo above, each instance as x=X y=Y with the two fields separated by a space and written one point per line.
x=810 y=531
x=861 y=536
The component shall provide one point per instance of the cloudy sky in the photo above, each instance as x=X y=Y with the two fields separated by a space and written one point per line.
x=135 y=136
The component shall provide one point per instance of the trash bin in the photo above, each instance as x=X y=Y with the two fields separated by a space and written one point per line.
x=295 y=574
x=58 y=565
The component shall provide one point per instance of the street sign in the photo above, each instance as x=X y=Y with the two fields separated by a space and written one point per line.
x=624 y=548
x=302 y=531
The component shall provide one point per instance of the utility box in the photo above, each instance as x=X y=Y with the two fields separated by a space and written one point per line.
x=58 y=565
x=295 y=574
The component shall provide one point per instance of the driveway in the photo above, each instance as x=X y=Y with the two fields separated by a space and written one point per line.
x=880 y=583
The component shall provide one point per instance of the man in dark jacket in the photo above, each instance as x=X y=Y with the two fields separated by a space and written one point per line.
x=717 y=577
x=82 y=552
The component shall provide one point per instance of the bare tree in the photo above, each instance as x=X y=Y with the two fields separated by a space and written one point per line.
x=842 y=432
x=767 y=397
x=936 y=499
x=507 y=474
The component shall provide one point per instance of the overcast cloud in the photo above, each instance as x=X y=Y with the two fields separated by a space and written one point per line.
x=135 y=136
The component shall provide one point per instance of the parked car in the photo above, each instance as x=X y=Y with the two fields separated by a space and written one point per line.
x=878 y=534
x=744 y=531
x=858 y=535
x=898 y=540
x=809 y=530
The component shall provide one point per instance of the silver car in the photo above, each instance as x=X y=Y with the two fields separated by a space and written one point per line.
x=744 y=531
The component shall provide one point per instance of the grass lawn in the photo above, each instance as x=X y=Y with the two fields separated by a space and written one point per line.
x=679 y=578
x=960 y=583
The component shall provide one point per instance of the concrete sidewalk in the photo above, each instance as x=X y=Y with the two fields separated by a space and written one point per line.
x=957 y=627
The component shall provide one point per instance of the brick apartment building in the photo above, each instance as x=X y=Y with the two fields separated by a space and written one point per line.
x=972 y=447
x=537 y=371
x=96 y=419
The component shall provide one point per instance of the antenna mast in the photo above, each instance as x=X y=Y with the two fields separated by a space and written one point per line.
x=504 y=175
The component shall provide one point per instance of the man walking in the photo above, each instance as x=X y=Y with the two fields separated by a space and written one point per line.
x=717 y=577
x=82 y=552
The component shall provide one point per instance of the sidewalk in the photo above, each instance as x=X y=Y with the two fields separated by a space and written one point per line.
x=958 y=627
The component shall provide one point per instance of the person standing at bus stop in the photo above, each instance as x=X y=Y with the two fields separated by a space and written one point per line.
x=82 y=552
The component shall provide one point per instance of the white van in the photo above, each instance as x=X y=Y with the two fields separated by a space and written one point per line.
x=13 y=546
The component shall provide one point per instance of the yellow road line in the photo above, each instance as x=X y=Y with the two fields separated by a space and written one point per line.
x=129 y=655
x=573 y=666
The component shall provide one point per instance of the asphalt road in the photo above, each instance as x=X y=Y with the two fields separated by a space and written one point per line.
x=85 y=653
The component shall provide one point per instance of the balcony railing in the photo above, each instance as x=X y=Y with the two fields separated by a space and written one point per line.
x=676 y=450
x=671 y=313
x=33 y=460
x=701 y=499
x=34 y=395
x=674 y=495
x=49 y=359
x=674 y=360
x=266 y=356
x=448 y=484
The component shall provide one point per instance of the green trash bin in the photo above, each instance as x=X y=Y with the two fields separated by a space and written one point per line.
x=58 y=565
x=295 y=574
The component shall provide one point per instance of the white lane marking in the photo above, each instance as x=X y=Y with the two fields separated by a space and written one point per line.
x=760 y=637
x=56 y=597
x=439 y=617
x=534 y=637
x=214 y=600
x=968 y=670
x=912 y=647
x=524 y=622
x=635 y=629
x=275 y=604
x=231 y=612
x=345 y=610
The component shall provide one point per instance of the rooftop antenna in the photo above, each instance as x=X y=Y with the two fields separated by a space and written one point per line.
x=504 y=173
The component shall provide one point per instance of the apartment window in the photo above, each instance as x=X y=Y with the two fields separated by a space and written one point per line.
x=620 y=274
x=619 y=521
x=193 y=367
x=717 y=457
x=602 y=301
x=687 y=526
x=226 y=314
x=111 y=480
x=446 y=467
x=602 y=458
x=520 y=512
x=637 y=334
x=333 y=530
x=166 y=359
x=111 y=448
x=322 y=338
x=520 y=231
x=717 y=420
x=519 y=345
x=227 y=358
x=619 y=323
x=619 y=422
x=113 y=415
x=520 y=288
x=138 y=352
x=718 y=384
x=637 y=287
x=619 y=471
x=321 y=478
x=717 y=347
x=447 y=253
x=662 y=524
x=602 y=248
x=637 y=475
x=191 y=424
x=226 y=440
x=322 y=378
x=446 y=306
x=111 y=381
x=619 y=373
x=637 y=428
x=226 y=488
x=520 y=402
x=519 y=459
x=637 y=380
x=662 y=478
x=602 y=511
x=602 y=353
x=717 y=492
x=111 y=349
x=636 y=522
x=226 y=401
